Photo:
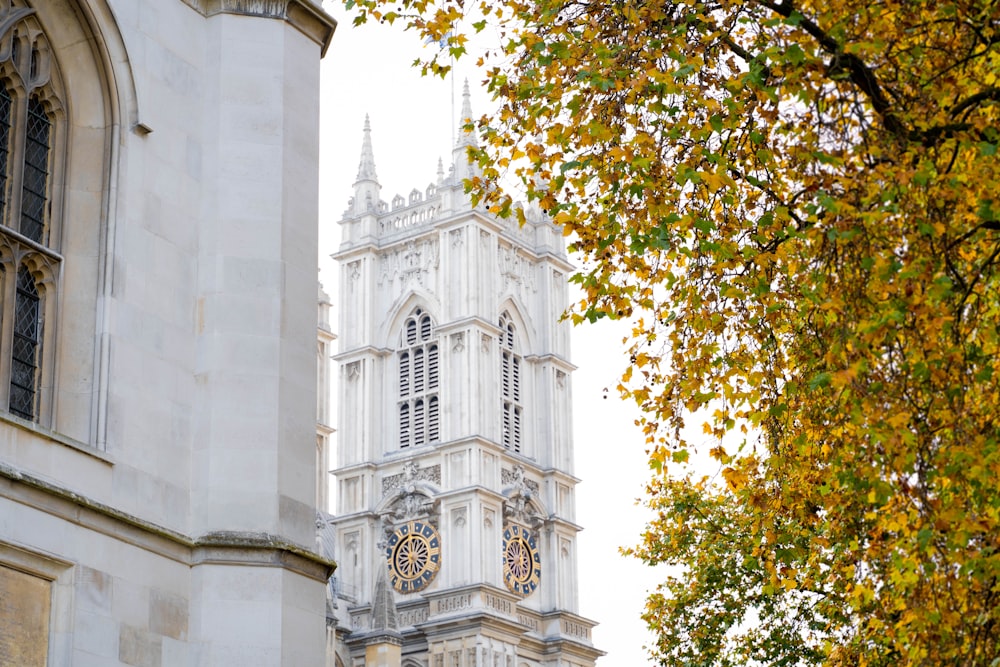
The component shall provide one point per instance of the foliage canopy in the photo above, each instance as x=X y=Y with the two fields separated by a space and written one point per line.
x=798 y=202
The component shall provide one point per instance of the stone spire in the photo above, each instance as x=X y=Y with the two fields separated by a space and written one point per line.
x=366 y=187
x=460 y=155
x=383 y=605
x=383 y=645
x=366 y=170
x=466 y=138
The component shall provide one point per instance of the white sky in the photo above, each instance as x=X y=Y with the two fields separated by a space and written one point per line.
x=367 y=70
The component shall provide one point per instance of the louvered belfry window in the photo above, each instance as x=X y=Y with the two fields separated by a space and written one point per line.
x=29 y=107
x=419 y=421
x=510 y=384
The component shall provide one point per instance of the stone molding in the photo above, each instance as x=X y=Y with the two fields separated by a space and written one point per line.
x=259 y=550
x=48 y=434
x=224 y=547
x=306 y=15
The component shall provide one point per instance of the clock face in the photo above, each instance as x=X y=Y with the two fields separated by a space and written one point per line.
x=522 y=565
x=414 y=555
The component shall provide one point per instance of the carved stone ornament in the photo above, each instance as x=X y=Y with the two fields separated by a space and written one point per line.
x=519 y=493
x=410 y=498
x=412 y=472
x=517 y=270
x=34 y=64
x=413 y=261
x=515 y=478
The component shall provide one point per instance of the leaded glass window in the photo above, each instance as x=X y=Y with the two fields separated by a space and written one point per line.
x=419 y=421
x=6 y=104
x=26 y=347
x=29 y=113
x=34 y=189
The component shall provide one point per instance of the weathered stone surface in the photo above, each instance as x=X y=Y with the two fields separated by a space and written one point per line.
x=168 y=614
x=139 y=648
x=94 y=590
x=24 y=619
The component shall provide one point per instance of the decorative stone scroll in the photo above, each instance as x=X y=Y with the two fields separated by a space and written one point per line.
x=516 y=477
x=411 y=472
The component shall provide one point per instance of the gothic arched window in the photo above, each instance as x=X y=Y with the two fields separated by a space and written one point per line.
x=510 y=384
x=29 y=257
x=419 y=421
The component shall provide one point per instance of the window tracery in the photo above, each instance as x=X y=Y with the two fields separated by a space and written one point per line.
x=30 y=112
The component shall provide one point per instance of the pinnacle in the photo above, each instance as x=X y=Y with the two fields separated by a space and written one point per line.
x=366 y=169
x=383 y=604
x=466 y=138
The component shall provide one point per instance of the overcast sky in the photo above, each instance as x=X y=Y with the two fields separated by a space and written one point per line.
x=367 y=70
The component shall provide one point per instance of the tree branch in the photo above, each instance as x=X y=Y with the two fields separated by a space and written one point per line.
x=859 y=73
x=991 y=93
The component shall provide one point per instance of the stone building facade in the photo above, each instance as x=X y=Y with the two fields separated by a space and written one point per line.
x=158 y=233
x=455 y=530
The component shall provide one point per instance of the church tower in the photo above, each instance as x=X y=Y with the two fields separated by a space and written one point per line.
x=454 y=463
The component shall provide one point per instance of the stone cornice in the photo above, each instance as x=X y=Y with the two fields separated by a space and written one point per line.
x=230 y=548
x=306 y=15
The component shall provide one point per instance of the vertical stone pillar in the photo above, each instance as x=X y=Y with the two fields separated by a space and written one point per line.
x=258 y=593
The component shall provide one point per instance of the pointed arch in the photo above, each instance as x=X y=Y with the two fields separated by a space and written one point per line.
x=516 y=311
x=388 y=332
x=66 y=90
x=68 y=95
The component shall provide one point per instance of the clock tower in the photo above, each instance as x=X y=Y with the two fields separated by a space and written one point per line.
x=454 y=482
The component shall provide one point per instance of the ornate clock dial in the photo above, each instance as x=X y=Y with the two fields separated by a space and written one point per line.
x=414 y=555
x=522 y=564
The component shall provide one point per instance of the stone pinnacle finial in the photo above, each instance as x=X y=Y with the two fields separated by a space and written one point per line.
x=383 y=605
x=440 y=172
x=466 y=138
x=366 y=170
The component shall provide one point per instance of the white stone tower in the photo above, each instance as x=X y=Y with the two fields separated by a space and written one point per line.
x=455 y=454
